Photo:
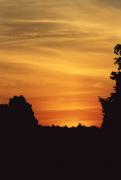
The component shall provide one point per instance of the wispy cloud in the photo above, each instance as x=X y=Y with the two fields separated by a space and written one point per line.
x=109 y=3
x=59 y=49
x=58 y=24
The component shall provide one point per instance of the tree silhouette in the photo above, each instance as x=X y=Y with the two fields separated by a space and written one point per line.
x=111 y=106
x=17 y=115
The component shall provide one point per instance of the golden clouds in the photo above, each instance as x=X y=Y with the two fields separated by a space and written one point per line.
x=59 y=55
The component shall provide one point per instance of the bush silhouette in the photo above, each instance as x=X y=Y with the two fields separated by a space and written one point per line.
x=17 y=114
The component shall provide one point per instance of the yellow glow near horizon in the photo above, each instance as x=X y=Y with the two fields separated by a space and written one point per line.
x=58 y=54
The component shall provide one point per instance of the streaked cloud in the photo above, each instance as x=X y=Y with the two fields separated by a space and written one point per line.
x=110 y=3
x=59 y=55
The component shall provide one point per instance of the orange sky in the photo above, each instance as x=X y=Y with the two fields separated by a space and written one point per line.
x=59 y=55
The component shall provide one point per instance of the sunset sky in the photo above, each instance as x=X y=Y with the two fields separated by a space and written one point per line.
x=59 y=55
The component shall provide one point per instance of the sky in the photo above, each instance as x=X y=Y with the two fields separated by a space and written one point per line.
x=59 y=55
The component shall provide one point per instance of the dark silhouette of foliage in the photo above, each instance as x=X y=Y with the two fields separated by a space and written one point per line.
x=17 y=114
x=111 y=106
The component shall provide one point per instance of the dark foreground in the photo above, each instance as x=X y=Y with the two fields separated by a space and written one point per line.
x=29 y=151
x=60 y=153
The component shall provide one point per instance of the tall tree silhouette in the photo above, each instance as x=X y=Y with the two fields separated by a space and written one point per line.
x=111 y=106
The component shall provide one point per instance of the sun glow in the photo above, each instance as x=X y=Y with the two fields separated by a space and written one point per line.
x=58 y=55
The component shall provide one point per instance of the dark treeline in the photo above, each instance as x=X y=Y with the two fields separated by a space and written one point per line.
x=29 y=150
